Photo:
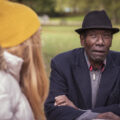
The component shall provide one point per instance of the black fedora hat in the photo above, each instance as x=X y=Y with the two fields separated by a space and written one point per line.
x=96 y=20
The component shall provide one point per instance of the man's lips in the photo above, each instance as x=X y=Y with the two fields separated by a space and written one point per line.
x=102 y=51
x=98 y=52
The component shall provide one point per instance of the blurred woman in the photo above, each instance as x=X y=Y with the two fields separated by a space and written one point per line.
x=23 y=80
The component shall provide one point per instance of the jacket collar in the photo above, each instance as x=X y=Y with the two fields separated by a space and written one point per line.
x=14 y=64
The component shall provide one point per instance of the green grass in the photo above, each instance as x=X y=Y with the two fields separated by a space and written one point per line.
x=57 y=39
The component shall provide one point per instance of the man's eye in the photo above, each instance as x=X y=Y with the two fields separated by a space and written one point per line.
x=92 y=35
x=107 y=35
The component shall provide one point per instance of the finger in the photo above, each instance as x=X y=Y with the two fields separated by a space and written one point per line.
x=101 y=116
x=60 y=103
x=113 y=116
x=60 y=97
x=108 y=115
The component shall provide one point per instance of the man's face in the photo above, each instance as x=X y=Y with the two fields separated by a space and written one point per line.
x=97 y=44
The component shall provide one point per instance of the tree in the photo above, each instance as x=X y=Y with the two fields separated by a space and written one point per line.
x=40 y=6
x=113 y=9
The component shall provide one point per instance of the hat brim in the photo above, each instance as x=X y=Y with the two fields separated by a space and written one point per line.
x=81 y=30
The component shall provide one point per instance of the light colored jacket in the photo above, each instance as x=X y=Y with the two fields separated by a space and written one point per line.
x=13 y=103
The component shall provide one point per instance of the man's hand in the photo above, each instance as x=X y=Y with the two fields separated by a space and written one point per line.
x=108 y=115
x=62 y=100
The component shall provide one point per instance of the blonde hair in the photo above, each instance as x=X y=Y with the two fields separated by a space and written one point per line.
x=33 y=79
x=3 y=65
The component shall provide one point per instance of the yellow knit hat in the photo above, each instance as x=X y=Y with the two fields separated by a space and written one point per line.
x=17 y=23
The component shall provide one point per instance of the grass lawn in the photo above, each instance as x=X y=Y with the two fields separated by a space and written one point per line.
x=57 y=39
x=69 y=18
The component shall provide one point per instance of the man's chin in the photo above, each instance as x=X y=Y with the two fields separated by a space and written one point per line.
x=98 y=59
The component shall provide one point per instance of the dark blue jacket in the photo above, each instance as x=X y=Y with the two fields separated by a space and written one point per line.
x=70 y=77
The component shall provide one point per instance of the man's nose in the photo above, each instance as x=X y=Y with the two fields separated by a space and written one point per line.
x=100 y=40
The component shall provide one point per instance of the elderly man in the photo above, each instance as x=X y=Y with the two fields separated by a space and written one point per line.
x=85 y=82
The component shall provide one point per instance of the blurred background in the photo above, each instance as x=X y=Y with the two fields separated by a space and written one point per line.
x=59 y=19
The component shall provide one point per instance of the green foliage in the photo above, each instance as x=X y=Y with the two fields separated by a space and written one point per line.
x=73 y=19
x=75 y=6
x=40 y=6
x=83 y=6
x=113 y=8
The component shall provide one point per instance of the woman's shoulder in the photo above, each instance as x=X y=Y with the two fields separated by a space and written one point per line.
x=8 y=84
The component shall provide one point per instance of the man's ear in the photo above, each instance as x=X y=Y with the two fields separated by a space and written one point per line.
x=82 y=40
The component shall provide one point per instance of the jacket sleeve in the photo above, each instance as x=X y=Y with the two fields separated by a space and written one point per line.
x=5 y=112
x=58 y=86
x=19 y=104
x=14 y=105
x=24 y=111
x=5 y=104
x=115 y=108
x=113 y=102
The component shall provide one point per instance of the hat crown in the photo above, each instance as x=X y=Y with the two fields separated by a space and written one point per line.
x=96 y=19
